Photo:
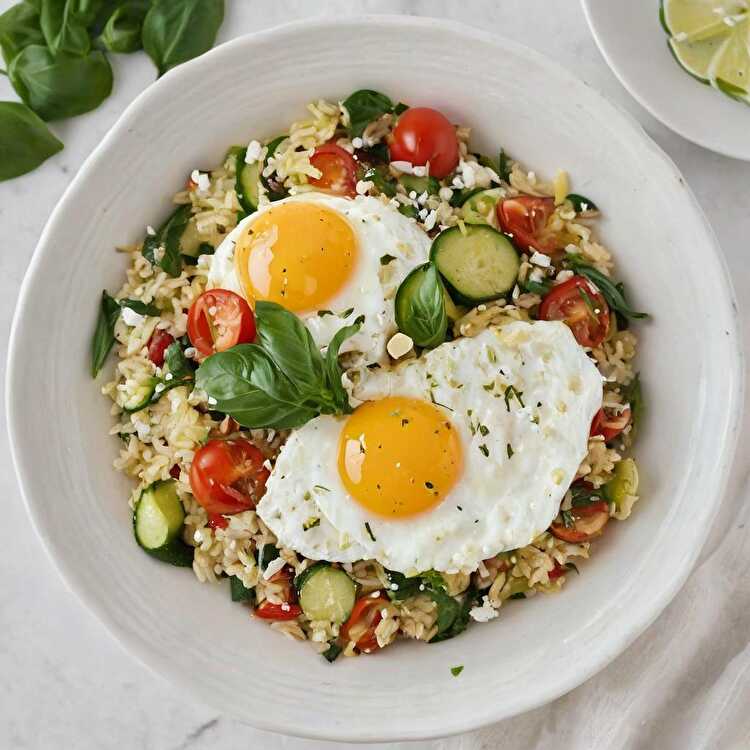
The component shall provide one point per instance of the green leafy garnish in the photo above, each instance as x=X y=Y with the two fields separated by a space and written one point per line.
x=512 y=393
x=122 y=32
x=386 y=259
x=179 y=365
x=104 y=333
x=239 y=592
x=633 y=395
x=382 y=180
x=365 y=106
x=140 y=307
x=505 y=165
x=613 y=293
x=25 y=141
x=280 y=382
x=332 y=652
x=420 y=306
x=541 y=288
x=165 y=244
x=461 y=616
x=369 y=531
x=455 y=671
x=175 y=31
x=581 y=203
x=266 y=554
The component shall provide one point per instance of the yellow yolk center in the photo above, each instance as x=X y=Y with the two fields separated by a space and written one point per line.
x=399 y=456
x=296 y=254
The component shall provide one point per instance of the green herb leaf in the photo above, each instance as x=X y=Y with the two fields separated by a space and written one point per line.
x=505 y=166
x=455 y=671
x=63 y=23
x=541 y=288
x=448 y=610
x=25 y=141
x=178 y=364
x=19 y=28
x=60 y=87
x=332 y=652
x=365 y=106
x=460 y=197
x=386 y=259
x=333 y=370
x=240 y=592
x=581 y=203
x=175 y=31
x=633 y=395
x=165 y=244
x=369 y=531
x=582 y=496
x=122 y=32
x=266 y=554
x=420 y=307
x=382 y=180
x=406 y=209
x=612 y=292
x=140 y=307
x=461 y=619
x=104 y=333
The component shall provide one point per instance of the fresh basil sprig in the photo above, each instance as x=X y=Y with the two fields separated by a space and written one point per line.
x=19 y=28
x=25 y=141
x=613 y=293
x=104 y=333
x=140 y=307
x=280 y=382
x=366 y=106
x=122 y=32
x=580 y=203
x=163 y=248
x=175 y=31
x=420 y=306
x=63 y=23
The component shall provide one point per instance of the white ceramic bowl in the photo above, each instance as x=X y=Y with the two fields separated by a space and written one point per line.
x=634 y=45
x=192 y=633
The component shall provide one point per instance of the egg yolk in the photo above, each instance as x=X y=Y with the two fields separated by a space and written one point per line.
x=298 y=255
x=399 y=456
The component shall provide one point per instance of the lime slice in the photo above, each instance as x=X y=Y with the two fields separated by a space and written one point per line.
x=710 y=39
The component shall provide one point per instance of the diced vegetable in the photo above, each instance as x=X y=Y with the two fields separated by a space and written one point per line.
x=419 y=184
x=158 y=520
x=326 y=593
x=247 y=185
x=624 y=484
x=481 y=208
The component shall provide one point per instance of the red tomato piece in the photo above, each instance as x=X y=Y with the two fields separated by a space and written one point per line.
x=217 y=521
x=218 y=320
x=525 y=219
x=338 y=167
x=269 y=611
x=228 y=476
x=581 y=307
x=610 y=424
x=174 y=472
x=425 y=135
x=556 y=572
x=158 y=344
x=365 y=617
x=588 y=522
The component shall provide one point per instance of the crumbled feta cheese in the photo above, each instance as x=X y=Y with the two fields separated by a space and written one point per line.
x=168 y=376
x=131 y=317
x=399 y=345
x=405 y=167
x=159 y=388
x=413 y=194
x=445 y=194
x=201 y=180
x=421 y=171
x=254 y=150
x=423 y=214
x=190 y=352
x=364 y=186
x=540 y=259
x=458 y=182
x=274 y=567
x=429 y=222
x=150 y=231
x=483 y=613
x=357 y=142
x=212 y=401
x=516 y=293
x=422 y=199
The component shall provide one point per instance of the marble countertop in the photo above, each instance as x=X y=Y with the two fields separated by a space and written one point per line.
x=684 y=684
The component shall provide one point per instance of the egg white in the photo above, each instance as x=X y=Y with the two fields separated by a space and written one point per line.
x=380 y=231
x=500 y=501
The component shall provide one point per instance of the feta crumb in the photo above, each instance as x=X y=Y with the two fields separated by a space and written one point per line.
x=540 y=259
x=357 y=142
x=201 y=180
x=516 y=293
x=364 y=186
x=131 y=317
x=445 y=194
x=190 y=352
x=273 y=567
x=405 y=167
x=254 y=150
x=150 y=231
x=458 y=182
x=420 y=171
x=483 y=613
x=413 y=195
x=267 y=465
x=423 y=214
x=399 y=345
x=168 y=376
x=159 y=388
x=429 y=222
x=212 y=401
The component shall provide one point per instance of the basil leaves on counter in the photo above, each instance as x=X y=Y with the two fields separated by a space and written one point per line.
x=122 y=32
x=25 y=141
x=280 y=382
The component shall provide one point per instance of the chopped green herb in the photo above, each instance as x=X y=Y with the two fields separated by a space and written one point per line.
x=581 y=204
x=321 y=488
x=240 y=592
x=311 y=523
x=455 y=671
x=484 y=430
x=321 y=313
x=570 y=566
x=386 y=259
x=509 y=449
x=505 y=166
x=332 y=652
x=369 y=531
x=567 y=519
x=346 y=313
x=511 y=392
x=485 y=450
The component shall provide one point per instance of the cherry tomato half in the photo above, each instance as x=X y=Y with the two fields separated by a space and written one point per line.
x=158 y=344
x=610 y=424
x=425 y=135
x=581 y=307
x=365 y=617
x=339 y=170
x=289 y=609
x=228 y=476
x=556 y=572
x=525 y=218
x=218 y=320
x=588 y=522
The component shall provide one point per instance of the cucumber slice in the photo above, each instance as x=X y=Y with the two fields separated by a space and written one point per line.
x=478 y=264
x=247 y=184
x=190 y=241
x=624 y=483
x=326 y=593
x=139 y=397
x=480 y=207
x=419 y=184
x=158 y=519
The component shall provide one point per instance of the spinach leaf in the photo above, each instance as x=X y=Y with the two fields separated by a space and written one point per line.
x=460 y=620
x=632 y=394
x=613 y=293
x=536 y=287
x=122 y=32
x=25 y=141
x=19 y=28
x=163 y=248
x=239 y=592
x=581 y=203
x=420 y=307
x=365 y=106
x=140 y=307
x=332 y=652
x=448 y=610
x=333 y=370
x=104 y=333
x=175 y=31
x=59 y=87
x=460 y=197
x=179 y=365
x=405 y=587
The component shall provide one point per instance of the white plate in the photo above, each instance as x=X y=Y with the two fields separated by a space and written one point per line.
x=634 y=44
x=192 y=633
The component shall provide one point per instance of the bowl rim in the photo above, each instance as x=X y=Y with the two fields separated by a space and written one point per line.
x=649 y=104
x=621 y=637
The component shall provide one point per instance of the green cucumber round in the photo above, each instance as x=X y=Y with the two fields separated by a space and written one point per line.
x=326 y=593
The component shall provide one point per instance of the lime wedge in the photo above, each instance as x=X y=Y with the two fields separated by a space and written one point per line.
x=730 y=69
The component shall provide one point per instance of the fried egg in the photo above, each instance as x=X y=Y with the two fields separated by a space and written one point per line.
x=447 y=460
x=328 y=259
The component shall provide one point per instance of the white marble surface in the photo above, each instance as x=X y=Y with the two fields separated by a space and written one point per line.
x=684 y=684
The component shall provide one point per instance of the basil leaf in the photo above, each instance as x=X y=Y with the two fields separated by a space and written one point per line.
x=460 y=620
x=175 y=31
x=332 y=652
x=239 y=592
x=266 y=554
x=247 y=385
x=333 y=370
x=447 y=611
x=581 y=203
x=633 y=395
x=104 y=333
x=63 y=23
x=504 y=165
x=19 y=28
x=122 y=32
x=165 y=244
x=382 y=181
x=25 y=141
x=140 y=307
x=460 y=197
x=420 y=307
x=290 y=345
x=365 y=106
x=56 y=88
x=541 y=288
x=179 y=365
x=612 y=292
